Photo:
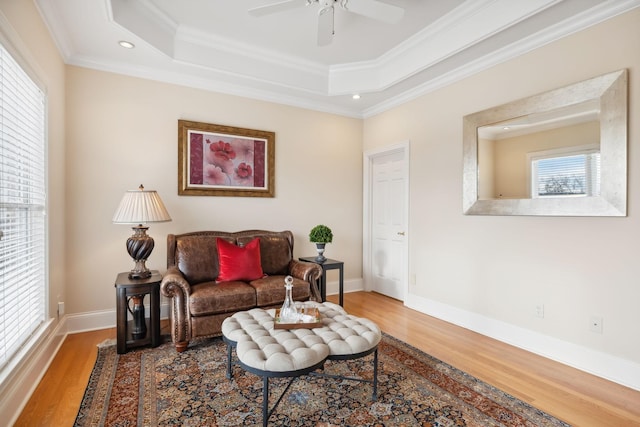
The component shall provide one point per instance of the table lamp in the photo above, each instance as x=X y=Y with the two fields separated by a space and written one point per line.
x=140 y=207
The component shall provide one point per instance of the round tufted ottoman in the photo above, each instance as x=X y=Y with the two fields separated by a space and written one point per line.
x=268 y=352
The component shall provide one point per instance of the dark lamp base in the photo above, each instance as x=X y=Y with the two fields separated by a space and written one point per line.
x=139 y=246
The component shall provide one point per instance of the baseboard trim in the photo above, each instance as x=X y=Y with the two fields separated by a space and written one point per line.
x=101 y=319
x=351 y=285
x=609 y=367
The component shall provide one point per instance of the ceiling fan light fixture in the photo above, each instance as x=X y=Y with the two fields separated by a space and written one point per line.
x=374 y=9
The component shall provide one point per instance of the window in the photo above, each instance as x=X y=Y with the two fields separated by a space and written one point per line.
x=22 y=208
x=569 y=172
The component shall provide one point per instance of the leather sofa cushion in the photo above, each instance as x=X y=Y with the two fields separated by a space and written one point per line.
x=275 y=253
x=270 y=290
x=213 y=298
x=197 y=257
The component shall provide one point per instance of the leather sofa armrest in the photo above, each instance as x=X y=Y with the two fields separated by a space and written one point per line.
x=174 y=284
x=176 y=287
x=309 y=272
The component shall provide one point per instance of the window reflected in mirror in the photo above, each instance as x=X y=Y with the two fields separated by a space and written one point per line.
x=556 y=173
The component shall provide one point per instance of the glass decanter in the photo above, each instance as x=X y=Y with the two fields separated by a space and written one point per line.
x=288 y=312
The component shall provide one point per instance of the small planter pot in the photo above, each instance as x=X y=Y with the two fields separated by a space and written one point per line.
x=320 y=249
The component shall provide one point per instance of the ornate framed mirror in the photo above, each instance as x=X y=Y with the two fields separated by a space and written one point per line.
x=559 y=153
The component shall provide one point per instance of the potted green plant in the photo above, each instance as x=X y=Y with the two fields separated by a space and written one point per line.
x=320 y=235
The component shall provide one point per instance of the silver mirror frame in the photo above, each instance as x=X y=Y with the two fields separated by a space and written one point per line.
x=610 y=90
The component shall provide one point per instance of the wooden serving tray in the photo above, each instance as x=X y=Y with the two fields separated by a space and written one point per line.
x=277 y=324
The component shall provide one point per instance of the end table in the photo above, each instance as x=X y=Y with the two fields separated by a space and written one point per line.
x=328 y=264
x=140 y=330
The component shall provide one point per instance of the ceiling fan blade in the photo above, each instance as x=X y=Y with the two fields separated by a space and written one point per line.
x=276 y=7
x=374 y=9
x=325 y=26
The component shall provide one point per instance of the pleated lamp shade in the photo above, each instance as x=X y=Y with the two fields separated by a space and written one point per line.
x=140 y=207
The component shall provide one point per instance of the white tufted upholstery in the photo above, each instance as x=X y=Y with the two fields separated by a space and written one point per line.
x=344 y=333
x=262 y=347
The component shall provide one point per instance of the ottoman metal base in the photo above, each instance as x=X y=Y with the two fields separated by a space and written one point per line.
x=266 y=412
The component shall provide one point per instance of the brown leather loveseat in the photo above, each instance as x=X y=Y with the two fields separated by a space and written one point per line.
x=201 y=300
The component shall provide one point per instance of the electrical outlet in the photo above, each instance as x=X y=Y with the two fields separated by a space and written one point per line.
x=595 y=324
x=61 y=309
x=540 y=310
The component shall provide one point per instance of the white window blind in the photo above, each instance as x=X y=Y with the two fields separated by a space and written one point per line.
x=22 y=207
x=572 y=173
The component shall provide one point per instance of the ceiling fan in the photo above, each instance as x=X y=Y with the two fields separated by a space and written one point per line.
x=370 y=8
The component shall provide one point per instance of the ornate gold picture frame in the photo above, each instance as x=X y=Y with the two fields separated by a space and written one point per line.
x=217 y=160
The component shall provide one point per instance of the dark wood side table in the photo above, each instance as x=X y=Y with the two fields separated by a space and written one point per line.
x=328 y=264
x=141 y=330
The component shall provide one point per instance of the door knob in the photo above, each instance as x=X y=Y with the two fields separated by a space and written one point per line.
x=400 y=233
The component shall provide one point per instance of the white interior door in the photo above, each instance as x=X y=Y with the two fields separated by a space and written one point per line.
x=388 y=201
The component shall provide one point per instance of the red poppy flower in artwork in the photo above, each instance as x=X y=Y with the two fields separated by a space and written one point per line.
x=221 y=157
x=244 y=170
x=223 y=149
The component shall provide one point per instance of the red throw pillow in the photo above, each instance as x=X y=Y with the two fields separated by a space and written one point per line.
x=239 y=263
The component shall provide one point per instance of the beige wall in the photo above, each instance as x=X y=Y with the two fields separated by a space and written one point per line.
x=122 y=132
x=501 y=267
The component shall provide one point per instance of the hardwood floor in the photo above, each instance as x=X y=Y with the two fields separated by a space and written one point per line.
x=56 y=400
x=576 y=397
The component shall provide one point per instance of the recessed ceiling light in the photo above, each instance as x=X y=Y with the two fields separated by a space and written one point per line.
x=126 y=44
x=356 y=96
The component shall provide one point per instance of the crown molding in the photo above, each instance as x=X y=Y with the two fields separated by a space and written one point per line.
x=463 y=42
x=553 y=33
x=205 y=40
x=461 y=29
x=223 y=82
x=200 y=49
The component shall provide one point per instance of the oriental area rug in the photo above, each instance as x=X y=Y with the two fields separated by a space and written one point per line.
x=161 y=387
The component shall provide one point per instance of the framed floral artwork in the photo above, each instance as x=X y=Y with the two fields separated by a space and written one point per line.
x=216 y=160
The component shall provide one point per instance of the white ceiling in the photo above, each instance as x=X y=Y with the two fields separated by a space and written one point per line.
x=216 y=45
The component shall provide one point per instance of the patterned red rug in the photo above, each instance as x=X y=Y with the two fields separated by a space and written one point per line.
x=160 y=387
